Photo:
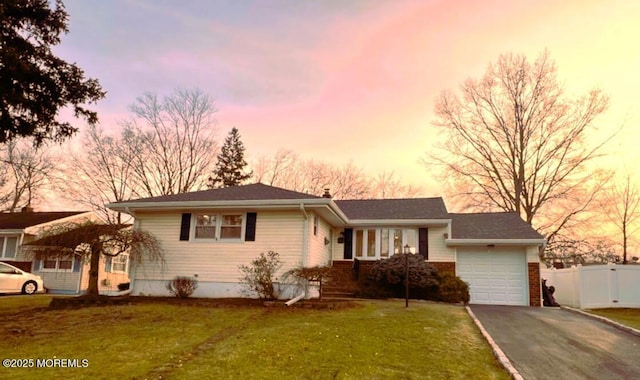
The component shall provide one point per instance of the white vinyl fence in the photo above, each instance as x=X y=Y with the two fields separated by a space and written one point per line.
x=595 y=286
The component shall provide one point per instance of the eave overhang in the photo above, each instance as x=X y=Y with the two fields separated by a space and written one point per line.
x=324 y=206
x=398 y=222
x=494 y=242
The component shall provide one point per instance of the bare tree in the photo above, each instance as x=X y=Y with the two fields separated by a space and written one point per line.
x=24 y=172
x=287 y=170
x=277 y=169
x=621 y=206
x=174 y=142
x=515 y=142
x=386 y=185
x=349 y=181
x=101 y=174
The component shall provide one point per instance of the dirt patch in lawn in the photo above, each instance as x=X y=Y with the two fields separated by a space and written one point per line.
x=85 y=301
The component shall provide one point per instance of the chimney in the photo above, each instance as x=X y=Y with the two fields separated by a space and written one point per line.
x=27 y=208
x=326 y=194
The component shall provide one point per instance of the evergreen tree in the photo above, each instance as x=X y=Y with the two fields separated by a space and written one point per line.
x=34 y=83
x=230 y=168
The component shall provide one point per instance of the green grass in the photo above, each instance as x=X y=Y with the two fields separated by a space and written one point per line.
x=628 y=317
x=10 y=304
x=375 y=340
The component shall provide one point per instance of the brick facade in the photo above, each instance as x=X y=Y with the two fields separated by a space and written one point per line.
x=535 y=295
x=534 y=284
x=443 y=267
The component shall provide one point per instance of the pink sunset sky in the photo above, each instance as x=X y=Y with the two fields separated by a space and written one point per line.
x=355 y=81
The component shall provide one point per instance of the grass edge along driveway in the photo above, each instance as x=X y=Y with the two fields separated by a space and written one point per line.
x=375 y=339
x=626 y=316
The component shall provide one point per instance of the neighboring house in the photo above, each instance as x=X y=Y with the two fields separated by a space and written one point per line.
x=209 y=234
x=67 y=275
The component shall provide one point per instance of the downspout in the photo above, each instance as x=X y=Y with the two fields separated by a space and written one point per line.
x=294 y=300
x=305 y=236
x=132 y=268
x=305 y=249
x=81 y=271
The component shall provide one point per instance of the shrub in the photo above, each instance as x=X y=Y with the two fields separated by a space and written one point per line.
x=452 y=289
x=390 y=274
x=182 y=287
x=259 y=276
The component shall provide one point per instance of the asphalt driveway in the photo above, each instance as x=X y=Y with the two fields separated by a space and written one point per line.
x=552 y=343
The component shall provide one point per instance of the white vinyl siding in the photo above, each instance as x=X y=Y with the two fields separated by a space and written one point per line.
x=438 y=251
x=60 y=281
x=218 y=261
x=319 y=252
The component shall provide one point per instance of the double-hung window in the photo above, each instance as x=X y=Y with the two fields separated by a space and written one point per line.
x=118 y=263
x=8 y=247
x=64 y=264
x=218 y=226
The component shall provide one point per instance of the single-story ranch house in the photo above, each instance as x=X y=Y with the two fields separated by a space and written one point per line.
x=209 y=234
x=66 y=275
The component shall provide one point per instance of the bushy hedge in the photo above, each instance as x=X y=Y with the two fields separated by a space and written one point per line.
x=389 y=274
x=452 y=289
x=386 y=279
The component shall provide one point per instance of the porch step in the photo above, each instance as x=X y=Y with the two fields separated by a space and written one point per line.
x=337 y=292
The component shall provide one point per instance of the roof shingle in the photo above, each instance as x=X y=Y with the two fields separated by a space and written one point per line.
x=20 y=220
x=411 y=208
x=253 y=192
x=491 y=225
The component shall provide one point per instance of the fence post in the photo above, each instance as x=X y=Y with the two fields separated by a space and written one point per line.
x=613 y=284
x=576 y=277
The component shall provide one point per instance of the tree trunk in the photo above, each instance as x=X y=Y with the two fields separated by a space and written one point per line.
x=94 y=269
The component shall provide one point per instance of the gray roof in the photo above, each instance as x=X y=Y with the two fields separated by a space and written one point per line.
x=20 y=220
x=491 y=225
x=412 y=208
x=257 y=191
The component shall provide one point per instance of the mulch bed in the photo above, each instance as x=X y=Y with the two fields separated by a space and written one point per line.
x=85 y=301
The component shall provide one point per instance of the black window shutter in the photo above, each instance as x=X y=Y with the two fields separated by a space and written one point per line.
x=185 y=226
x=250 y=232
x=423 y=242
x=348 y=243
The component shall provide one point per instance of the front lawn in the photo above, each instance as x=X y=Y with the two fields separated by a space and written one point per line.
x=14 y=303
x=628 y=317
x=375 y=339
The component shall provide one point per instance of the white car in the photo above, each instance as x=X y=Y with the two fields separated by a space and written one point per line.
x=15 y=280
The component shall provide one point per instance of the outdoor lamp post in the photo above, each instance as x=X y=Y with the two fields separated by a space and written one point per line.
x=407 y=251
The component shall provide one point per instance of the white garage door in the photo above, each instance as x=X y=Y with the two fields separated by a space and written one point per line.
x=496 y=276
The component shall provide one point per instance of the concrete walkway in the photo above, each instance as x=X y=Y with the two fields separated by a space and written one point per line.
x=552 y=343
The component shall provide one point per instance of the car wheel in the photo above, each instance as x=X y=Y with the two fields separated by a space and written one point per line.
x=29 y=287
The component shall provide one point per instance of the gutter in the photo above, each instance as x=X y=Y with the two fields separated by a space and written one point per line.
x=305 y=235
x=496 y=242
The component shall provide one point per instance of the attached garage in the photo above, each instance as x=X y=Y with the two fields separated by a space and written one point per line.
x=496 y=275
